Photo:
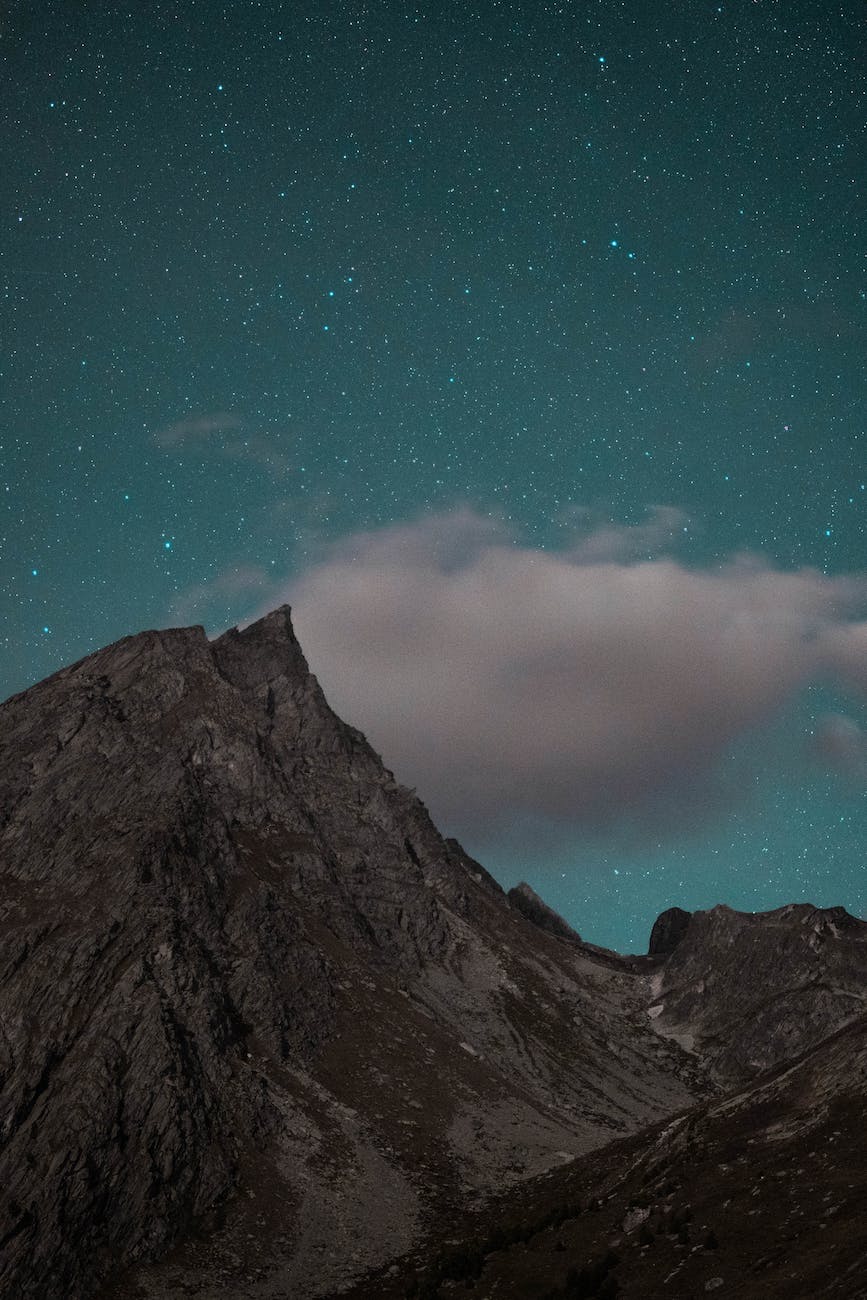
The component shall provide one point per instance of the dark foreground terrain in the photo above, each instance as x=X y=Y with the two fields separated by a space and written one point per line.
x=763 y=1194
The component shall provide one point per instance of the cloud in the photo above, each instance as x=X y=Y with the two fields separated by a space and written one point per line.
x=846 y=647
x=197 y=429
x=575 y=687
x=224 y=435
x=841 y=743
x=637 y=541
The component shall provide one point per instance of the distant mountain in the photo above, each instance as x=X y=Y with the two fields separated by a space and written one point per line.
x=262 y=1029
x=535 y=909
x=748 y=991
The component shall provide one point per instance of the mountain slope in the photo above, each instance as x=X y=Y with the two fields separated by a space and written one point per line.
x=250 y=997
x=760 y=1196
x=758 y=1193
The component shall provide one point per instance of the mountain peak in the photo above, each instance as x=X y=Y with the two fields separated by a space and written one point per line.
x=242 y=957
x=259 y=653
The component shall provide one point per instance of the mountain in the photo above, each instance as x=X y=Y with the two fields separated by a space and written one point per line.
x=262 y=1029
x=748 y=991
x=265 y=1033
x=526 y=900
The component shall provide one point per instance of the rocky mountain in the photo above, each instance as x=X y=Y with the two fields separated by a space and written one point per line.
x=759 y=1192
x=261 y=1026
x=747 y=991
x=668 y=930
x=265 y=1033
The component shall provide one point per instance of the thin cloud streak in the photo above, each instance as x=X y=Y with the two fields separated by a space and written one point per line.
x=198 y=601
x=197 y=428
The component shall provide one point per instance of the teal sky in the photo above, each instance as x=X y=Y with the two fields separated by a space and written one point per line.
x=271 y=275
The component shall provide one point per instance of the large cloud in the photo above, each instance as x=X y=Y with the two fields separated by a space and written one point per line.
x=511 y=683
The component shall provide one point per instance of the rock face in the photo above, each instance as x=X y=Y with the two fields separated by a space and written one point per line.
x=667 y=932
x=748 y=991
x=527 y=901
x=254 y=1010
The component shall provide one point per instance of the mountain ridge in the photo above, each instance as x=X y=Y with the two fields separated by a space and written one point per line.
x=264 y=1031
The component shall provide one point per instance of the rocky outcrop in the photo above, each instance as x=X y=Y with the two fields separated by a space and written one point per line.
x=668 y=930
x=527 y=901
x=253 y=1007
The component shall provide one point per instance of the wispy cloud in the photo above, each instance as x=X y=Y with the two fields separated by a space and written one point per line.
x=224 y=435
x=197 y=428
x=659 y=533
x=840 y=743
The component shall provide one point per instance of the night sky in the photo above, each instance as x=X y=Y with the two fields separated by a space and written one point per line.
x=522 y=348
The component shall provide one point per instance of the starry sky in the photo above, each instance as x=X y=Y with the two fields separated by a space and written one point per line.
x=523 y=348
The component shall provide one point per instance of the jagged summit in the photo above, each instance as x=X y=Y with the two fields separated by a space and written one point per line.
x=748 y=990
x=261 y=651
